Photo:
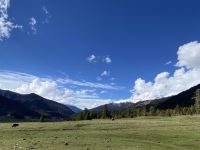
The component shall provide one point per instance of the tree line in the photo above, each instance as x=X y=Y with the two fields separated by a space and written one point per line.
x=132 y=113
x=142 y=111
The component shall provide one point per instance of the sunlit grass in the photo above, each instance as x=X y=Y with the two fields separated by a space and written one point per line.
x=146 y=133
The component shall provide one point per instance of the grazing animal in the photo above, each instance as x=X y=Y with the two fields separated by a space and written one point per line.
x=15 y=125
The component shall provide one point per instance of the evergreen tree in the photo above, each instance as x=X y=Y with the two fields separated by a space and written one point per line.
x=177 y=110
x=168 y=113
x=42 y=117
x=152 y=111
x=197 y=101
x=105 y=112
x=80 y=116
x=193 y=110
x=86 y=114
x=139 y=112
x=128 y=112
x=158 y=112
x=114 y=114
x=144 y=111
x=184 y=111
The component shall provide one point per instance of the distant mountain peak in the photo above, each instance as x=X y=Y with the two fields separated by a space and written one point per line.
x=183 y=99
x=32 y=105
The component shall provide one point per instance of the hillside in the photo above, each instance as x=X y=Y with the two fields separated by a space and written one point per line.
x=183 y=99
x=74 y=108
x=24 y=106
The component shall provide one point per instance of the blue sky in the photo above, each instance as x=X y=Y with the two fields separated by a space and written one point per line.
x=54 y=39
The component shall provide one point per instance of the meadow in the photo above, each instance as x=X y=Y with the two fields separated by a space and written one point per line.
x=142 y=133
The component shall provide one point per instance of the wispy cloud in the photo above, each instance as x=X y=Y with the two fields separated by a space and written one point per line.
x=32 y=24
x=6 y=26
x=47 y=14
x=96 y=58
x=168 y=63
x=92 y=58
x=45 y=10
x=90 y=84
x=103 y=92
x=105 y=73
x=85 y=96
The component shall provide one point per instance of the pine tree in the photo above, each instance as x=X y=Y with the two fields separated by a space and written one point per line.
x=158 y=112
x=80 y=116
x=168 y=113
x=86 y=114
x=128 y=112
x=152 y=111
x=41 y=117
x=138 y=112
x=184 y=111
x=197 y=101
x=144 y=111
x=105 y=112
x=114 y=114
x=189 y=112
x=177 y=110
x=193 y=110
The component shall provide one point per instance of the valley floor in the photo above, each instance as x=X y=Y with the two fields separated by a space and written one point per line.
x=145 y=133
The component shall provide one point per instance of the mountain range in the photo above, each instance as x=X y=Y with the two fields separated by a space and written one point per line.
x=30 y=106
x=183 y=99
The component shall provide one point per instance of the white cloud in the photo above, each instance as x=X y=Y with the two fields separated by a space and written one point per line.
x=91 y=58
x=103 y=92
x=47 y=14
x=54 y=89
x=45 y=10
x=32 y=24
x=90 y=84
x=6 y=26
x=189 y=55
x=165 y=84
x=168 y=63
x=105 y=73
x=107 y=60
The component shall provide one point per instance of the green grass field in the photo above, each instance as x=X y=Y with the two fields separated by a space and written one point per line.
x=148 y=133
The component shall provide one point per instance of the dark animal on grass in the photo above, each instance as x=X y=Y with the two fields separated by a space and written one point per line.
x=15 y=125
x=113 y=118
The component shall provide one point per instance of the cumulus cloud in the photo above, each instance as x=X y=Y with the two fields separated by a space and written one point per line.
x=107 y=60
x=165 y=84
x=91 y=58
x=105 y=73
x=6 y=26
x=189 y=55
x=32 y=24
x=55 y=89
